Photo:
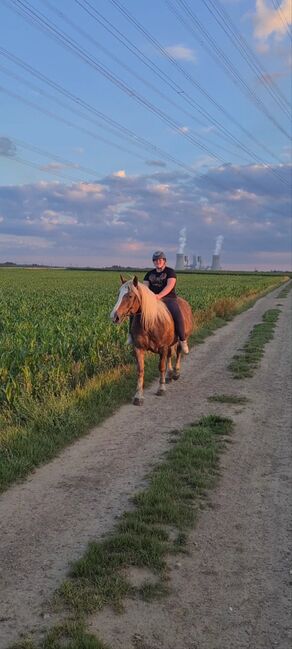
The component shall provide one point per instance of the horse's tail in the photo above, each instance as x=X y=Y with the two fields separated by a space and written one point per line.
x=187 y=315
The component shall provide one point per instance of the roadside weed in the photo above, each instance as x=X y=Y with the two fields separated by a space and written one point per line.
x=243 y=365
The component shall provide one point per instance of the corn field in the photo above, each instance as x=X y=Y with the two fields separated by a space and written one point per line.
x=55 y=331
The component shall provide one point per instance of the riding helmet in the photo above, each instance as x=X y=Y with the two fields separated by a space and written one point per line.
x=158 y=255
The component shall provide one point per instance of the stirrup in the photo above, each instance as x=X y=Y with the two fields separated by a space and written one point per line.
x=184 y=346
x=129 y=340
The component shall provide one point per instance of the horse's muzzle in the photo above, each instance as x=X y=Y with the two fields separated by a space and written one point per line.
x=115 y=318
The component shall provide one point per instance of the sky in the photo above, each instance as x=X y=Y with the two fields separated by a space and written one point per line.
x=128 y=127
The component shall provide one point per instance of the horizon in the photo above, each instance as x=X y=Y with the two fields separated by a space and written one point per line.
x=118 y=267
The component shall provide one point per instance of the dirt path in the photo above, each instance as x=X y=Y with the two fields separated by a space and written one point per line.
x=232 y=591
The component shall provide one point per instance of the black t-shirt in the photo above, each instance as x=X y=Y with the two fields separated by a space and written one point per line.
x=158 y=281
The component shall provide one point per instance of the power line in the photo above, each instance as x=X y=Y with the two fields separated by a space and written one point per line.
x=65 y=40
x=52 y=156
x=127 y=68
x=34 y=165
x=155 y=69
x=223 y=19
x=200 y=33
x=92 y=134
x=189 y=78
x=43 y=23
x=69 y=43
x=278 y=9
x=117 y=34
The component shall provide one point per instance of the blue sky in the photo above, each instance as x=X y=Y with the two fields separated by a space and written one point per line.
x=125 y=124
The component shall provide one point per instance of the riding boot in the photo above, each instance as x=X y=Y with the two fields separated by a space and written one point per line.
x=184 y=346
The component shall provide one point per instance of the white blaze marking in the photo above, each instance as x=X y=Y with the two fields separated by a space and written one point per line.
x=123 y=291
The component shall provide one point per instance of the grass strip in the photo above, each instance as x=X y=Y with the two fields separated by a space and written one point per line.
x=143 y=538
x=69 y=635
x=244 y=364
x=285 y=291
x=140 y=538
x=228 y=398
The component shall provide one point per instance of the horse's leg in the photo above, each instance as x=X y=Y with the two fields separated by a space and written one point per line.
x=169 y=370
x=139 y=397
x=176 y=373
x=162 y=370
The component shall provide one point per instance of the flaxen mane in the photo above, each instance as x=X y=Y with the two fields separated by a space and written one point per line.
x=152 y=310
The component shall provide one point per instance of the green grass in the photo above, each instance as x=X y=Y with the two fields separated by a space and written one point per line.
x=49 y=427
x=285 y=290
x=244 y=364
x=228 y=398
x=141 y=537
x=70 y=635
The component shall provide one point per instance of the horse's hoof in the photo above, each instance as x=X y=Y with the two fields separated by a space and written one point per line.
x=176 y=377
x=160 y=393
x=137 y=401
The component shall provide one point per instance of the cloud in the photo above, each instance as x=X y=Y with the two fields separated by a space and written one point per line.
x=7 y=147
x=155 y=163
x=271 y=22
x=159 y=188
x=23 y=242
x=52 y=218
x=57 y=166
x=286 y=153
x=181 y=53
x=269 y=79
x=78 y=150
x=84 y=191
x=121 y=219
x=243 y=195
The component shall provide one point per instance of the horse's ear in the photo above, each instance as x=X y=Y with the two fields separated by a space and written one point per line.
x=123 y=280
x=135 y=281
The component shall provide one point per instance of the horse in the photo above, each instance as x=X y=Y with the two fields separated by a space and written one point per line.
x=152 y=329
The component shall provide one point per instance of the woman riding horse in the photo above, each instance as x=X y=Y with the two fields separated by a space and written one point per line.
x=152 y=325
x=161 y=280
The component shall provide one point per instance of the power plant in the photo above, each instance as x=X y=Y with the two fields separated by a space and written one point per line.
x=183 y=261
x=215 y=262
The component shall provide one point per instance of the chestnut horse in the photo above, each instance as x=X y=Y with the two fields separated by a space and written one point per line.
x=152 y=330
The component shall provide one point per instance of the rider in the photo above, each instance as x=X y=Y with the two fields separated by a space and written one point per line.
x=161 y=280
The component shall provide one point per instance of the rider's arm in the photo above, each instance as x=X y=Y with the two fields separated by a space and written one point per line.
x=146 y=283
x=171 y=282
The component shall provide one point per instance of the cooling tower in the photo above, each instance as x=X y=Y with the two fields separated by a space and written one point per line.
x=180 y=262
x=215 y=262
x=194 y=264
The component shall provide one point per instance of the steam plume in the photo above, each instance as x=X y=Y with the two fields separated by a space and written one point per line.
x=182 y=240
x=218 y=245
